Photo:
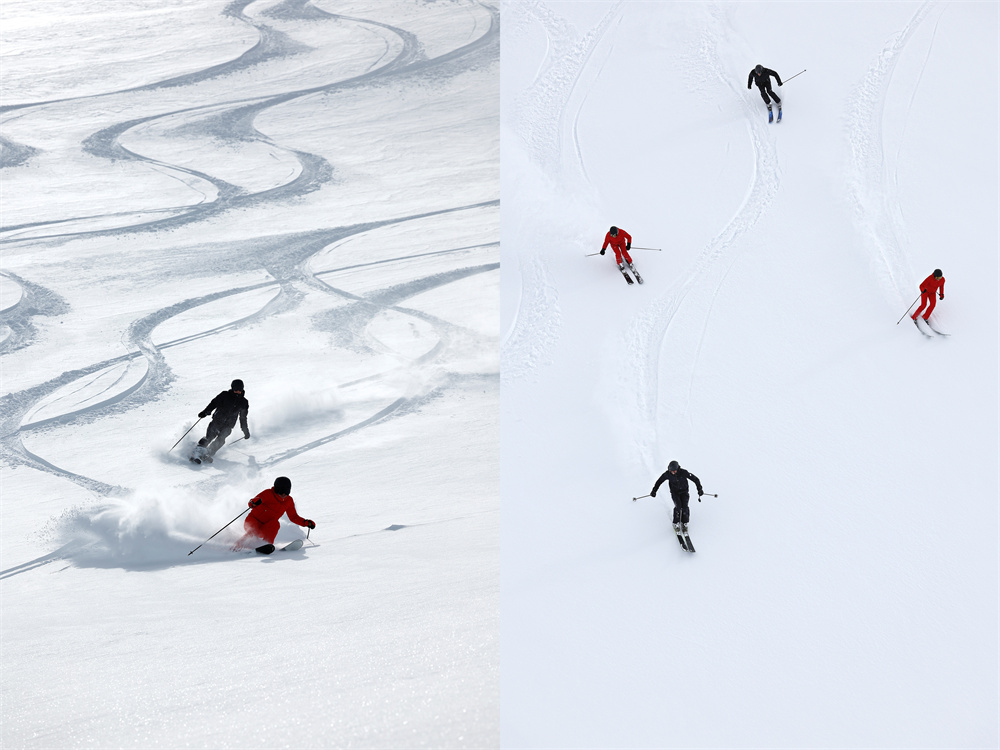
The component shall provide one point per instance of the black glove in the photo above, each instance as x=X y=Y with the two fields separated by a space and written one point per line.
x=941 y=297
x=653 y=493
x=310 y=524
x=256 y=501
x=602 y=252
x=246 y=435
x=202 y=414
x=628 y=247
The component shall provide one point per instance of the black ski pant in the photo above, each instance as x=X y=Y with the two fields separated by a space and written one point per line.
x=682 y=513
x=216 y=436
x=764 y=91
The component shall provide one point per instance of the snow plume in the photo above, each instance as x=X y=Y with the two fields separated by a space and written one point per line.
x=152 y=529
x=277 y=407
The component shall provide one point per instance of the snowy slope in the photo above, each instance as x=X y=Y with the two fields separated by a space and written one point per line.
x=303 y=195
x=845 y=588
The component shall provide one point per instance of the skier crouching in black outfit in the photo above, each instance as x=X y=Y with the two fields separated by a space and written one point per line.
x=762 y=77
x=677 y=480
x=227 y=406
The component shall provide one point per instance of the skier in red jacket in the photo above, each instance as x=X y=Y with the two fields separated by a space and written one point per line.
x=621 y=243
x=928 y=287
x=266 y=511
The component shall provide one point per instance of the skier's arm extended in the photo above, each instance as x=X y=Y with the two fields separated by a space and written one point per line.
x=775 y=74
x=211 y=407
x=661 y=480
x=697 y=483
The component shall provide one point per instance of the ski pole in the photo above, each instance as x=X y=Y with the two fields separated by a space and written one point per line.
x=797 y=74
x=217 y=532
x=657 y=249
x=200 y=418
x=640 y=497
x=590 y=254
x=908 y=309
x=706 y=493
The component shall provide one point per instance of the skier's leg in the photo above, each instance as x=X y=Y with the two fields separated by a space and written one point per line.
x=256 y=530
x=210 y=434
x=763 y=95
x=677 y=510
x=628 y=257
x=923 y=304
x=932 y=300
x=222 y=432
x=774 y=96
x=618 y=255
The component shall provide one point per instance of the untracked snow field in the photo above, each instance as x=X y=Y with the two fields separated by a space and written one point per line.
x=845 y=589
x=304 y=195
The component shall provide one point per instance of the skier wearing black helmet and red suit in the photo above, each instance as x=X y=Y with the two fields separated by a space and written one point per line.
x=933 y=284
x=621 y=243
x=228 y=406
x=266 y=511
x=762 y=77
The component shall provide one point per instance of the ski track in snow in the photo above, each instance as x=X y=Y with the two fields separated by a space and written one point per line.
x=682 y=315
x=283 y=256
x=873 y=191
x=541 y=120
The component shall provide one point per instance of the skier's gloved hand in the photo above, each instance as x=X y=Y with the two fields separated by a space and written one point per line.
x=310 y=524
x=628 y=247
x=653 y=493
x=202 y=414
x=246 y=435
x=602 y=252
x=256 y=501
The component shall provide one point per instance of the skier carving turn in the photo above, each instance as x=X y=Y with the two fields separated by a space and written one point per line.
x=677 y=480
x=762 y=77
x=621 y=242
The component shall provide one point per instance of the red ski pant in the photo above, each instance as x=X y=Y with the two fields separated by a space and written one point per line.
x=928 y=300
x=265 y=531
x=620 y=253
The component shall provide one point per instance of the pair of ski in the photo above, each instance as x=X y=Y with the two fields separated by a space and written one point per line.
x=681 y=530
x=770 y=114
x=933 y=331
x=267 y=549
x=621 y=267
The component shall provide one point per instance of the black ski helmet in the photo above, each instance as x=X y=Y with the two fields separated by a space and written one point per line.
x=282 y=485
x=237 y=385
x=614 y=231
x=937 y=273
x=759 y=70
x=673 y=466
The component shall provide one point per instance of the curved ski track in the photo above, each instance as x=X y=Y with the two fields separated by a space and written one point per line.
x=283 y=256
x=684 y=312
x=539 y=120
x=873 y=192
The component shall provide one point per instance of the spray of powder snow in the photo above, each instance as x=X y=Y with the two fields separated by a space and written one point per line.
x=153 y=528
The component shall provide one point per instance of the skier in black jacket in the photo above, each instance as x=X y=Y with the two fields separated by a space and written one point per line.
x=762 y=77
x=677 y=479
x=228 y=406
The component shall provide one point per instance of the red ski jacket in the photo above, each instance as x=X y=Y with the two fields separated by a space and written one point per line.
x=620 y=242
x=930 y=285
x=272 y=507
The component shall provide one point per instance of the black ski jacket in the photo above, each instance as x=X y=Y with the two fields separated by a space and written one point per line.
x=227 y=406
x=678 y=483
x=763 y=81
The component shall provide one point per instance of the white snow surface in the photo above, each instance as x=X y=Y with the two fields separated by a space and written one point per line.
x=303 y=195
x=845 y=589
